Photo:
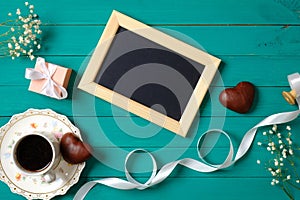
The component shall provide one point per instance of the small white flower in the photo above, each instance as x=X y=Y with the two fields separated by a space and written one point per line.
x=265 y=133
x=258 y=162
x=281 y=159
x=271 y=132
x=291 y=152
x=281 y=164
x=270 y=169
x=25 y=26
x=21 y=39
x=272 y=143
x=278 y=171
x=273 y=148
x=31 y=57
x=284 y=153
x=279 y=135
x=288 y=128
x=27 y=40
x=18 y=12
x=289 y=141
x=31 y=7
x=9 y=45
x=273 y=173
x=288 y=177
x=276 y=162
x=272 y=183
x=269 y=144
x=269 y=148
x=12 y=29
x=259 y=143
x=9 y=14
x=39 y=46
x=276 y=181
x=297 y=181
x=279 y=141
x=26 y=3
x=281 y=147
x=274 y=128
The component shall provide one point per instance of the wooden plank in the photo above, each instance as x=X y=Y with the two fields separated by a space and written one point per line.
x=168 y=11
x=87 y=105
x=247 y=167
x=204 y=188
x=118 y=132
x=235 y=40
x=233 y=69
x=234 y=188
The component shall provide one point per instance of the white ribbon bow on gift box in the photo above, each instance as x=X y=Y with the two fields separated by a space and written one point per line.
x=166 y=170
x=50 y=88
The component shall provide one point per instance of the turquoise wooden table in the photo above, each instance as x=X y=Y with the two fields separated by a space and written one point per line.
x=258 y=41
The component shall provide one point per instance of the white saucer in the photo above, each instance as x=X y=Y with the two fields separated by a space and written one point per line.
x=34 y=187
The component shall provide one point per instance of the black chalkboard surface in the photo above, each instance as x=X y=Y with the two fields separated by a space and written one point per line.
x=149 y=73
x=129 y=51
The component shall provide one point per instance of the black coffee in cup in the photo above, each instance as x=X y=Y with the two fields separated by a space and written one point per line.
x=34 y=153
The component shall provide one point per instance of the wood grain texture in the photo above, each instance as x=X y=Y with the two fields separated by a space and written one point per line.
x=216 y=40
x=257 y=41
x=210 y=106
x=233 y=69
x=166 y=11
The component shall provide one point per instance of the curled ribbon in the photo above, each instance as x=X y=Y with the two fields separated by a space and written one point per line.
x=166 y=170
x=50 y=88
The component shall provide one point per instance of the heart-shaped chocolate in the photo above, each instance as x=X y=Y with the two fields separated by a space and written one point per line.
x=73 y=150
x=239 y=98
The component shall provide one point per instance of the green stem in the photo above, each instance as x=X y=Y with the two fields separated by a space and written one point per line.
x=5 y=34
x=295 y=186
x=287 y=192
x=6 y=22
x=4 y=42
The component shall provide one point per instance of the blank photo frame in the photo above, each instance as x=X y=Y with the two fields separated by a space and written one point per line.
x=149 y=73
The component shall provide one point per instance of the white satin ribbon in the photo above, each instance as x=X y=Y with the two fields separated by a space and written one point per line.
x=200 y=166
x=50 y=88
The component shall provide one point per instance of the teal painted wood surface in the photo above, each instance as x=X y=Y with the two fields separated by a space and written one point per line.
x=258 y=41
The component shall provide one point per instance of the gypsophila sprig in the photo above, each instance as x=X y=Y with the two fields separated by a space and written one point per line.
x=282 y=162
x=23 y=37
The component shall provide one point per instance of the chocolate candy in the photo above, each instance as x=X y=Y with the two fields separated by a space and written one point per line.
x=73 y=150
x=239 y=98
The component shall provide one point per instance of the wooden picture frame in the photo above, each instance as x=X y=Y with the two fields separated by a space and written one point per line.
x=88 y=83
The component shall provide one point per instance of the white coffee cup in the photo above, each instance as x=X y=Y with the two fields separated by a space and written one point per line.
x=37 y=154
